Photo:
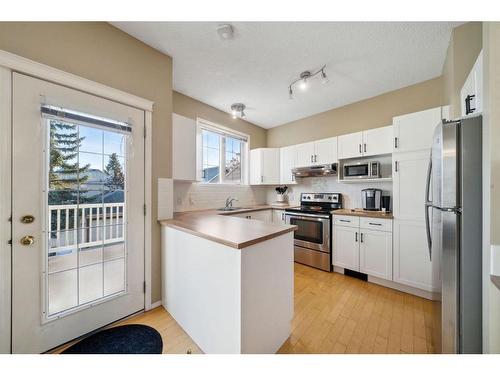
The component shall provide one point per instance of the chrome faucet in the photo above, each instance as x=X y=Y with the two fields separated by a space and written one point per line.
x=229 y=202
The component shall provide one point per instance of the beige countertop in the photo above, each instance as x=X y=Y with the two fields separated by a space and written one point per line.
x=363 y=213
x=222 y=227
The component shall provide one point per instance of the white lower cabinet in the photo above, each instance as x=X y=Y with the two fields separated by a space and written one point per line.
x=364 y=245
x=412 y=265
x=262 y=215
x=279 y=216
x=346 y=247
x=375 y=253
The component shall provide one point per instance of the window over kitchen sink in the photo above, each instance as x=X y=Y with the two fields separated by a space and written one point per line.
x=223 y=154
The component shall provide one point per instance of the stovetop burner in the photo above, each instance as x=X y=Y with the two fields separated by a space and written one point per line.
x=320 y=203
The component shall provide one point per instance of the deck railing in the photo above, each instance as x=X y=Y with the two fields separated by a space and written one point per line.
x=85 y=225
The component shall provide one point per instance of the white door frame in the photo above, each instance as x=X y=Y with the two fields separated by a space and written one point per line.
x=13 y=63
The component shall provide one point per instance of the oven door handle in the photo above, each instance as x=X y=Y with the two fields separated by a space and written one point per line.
x=307 y=216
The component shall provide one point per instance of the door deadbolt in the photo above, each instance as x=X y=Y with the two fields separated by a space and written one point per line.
x=27 y=219
x=27 y=240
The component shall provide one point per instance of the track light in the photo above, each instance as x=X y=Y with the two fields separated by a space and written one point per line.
x=324 y=78
x=238 y=108
x=304 y=79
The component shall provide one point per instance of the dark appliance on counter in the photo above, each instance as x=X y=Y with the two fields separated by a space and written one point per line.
x=386 y=203
x=313 y=238
x=371 y=199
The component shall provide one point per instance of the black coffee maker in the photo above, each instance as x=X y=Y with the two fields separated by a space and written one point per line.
x=371 y=199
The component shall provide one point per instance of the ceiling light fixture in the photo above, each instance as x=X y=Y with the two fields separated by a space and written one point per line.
x=238 y=108
x=304 y=78
x=225 y=31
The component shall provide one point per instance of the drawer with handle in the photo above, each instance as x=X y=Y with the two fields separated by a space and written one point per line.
x=376 y=224
x=346 y=221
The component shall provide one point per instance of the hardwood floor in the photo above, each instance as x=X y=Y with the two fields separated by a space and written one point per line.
x=340 y=314
x=333 y=314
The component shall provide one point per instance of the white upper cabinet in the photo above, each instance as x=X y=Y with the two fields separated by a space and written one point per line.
x=183 y=148
x=414 y=131
x=378 y=141
x=288 y=161
x=350 y=145
x=305 y=154
x=265 y=166
x=471 y=95
x=325 y=151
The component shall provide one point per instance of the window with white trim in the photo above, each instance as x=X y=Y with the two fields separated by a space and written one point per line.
x=223 y=154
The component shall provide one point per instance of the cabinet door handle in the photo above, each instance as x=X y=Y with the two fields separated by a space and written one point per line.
x=282 y=216
x=315 y=158
x=468 y=108
x=360 y=148
x=345 y=221
x=261 y=179
x=395 y=142
x=378 y=224
x=361 y=237
x=356 y=236
x=364 y=146
x=312 y=159
x=293 y=177
x=396 y=165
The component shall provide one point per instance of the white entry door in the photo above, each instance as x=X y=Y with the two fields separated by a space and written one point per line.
x=77 y=213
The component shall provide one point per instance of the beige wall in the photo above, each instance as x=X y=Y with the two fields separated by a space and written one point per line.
x=192 y=108
x=367 y=114
x=463 y=49
x=102 y=53
x=491 y=182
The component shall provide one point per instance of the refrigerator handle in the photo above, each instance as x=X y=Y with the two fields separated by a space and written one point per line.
x=428 y=204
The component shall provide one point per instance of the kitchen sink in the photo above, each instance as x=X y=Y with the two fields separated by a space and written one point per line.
x=230 y=209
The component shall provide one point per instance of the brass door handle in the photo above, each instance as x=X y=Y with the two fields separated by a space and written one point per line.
x=27 y=219
x=27 y=240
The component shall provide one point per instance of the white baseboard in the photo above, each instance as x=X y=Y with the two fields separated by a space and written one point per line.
x=153 y=305
x=393 y=285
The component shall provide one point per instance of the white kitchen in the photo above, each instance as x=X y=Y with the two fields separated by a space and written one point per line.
x=249 y=187
x=358 y=204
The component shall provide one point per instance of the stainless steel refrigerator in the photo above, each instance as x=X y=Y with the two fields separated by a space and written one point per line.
x=453 y=210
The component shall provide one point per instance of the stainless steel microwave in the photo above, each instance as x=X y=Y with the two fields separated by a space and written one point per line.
x=363 y=169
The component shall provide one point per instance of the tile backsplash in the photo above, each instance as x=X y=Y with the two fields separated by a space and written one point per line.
x=351 y=192
x=194 y=196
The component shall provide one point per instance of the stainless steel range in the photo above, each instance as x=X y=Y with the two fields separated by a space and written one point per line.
x=313 y=239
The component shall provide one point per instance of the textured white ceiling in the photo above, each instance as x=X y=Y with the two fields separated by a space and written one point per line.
x=363 y=59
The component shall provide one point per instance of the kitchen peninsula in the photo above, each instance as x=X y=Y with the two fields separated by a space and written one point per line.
x=228 y=281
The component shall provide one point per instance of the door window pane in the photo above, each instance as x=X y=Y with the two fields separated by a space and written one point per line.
x=114 y=276
x=86 y=211
x=63 y=291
